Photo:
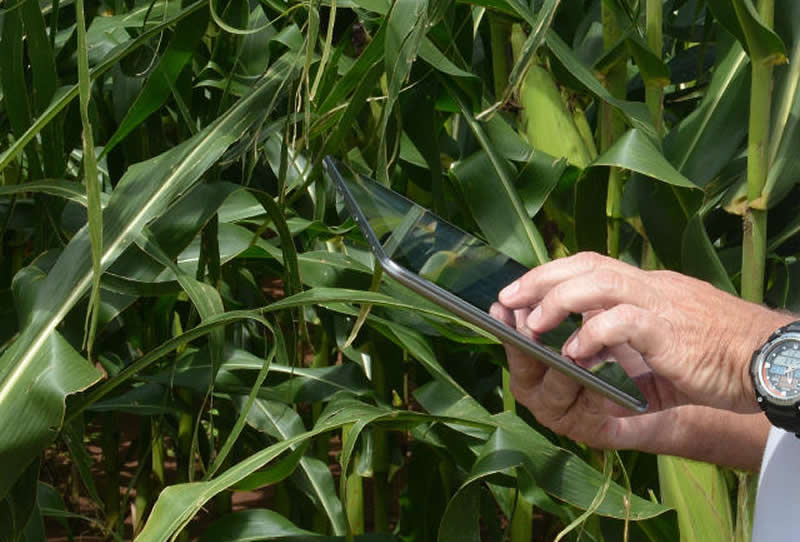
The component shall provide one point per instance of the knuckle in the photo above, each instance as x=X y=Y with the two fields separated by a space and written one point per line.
x=608 y=281
x=554 y=300
x=664 y=274
x=627 y=313
x=589 y=260
x=529 y=282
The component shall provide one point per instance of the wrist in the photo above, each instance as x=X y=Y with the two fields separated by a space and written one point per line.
x=763 y=324
x=729 y=439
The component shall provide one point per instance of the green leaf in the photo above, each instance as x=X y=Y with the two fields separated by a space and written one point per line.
x=263 y=524
x=419 y=348
x=741 y=19
x=539 y=177
x=163 y=77
x=700 y=258
x=406 y=27
x=699 y=147
x=73 y=436
x=507 y=141
x=700 y=495
x=563 y=475
x=573 y=480
x=65 y=95
x=652 y=69
x=356 y=73
x=636 y=152
x=785 y=135
x=15 y=91
x=292 y=278
x=20 y=507
x=663 y=223
x=53 y=187
x=461 y=517
x=44 y=84
x=91 y=180
x=531 y=249
x=278 y=350
x=503 y=220
x=555 y=470
x=159 y=352
x=433 y=56
x=281 y=422
x=273 y=474
x=142 y=195
x=254 y=524
x=298 y=383
x=636 y=112
x=706 y=140
x=324 y=296
x=177 y=504
x=142 y=400
x=42 y=406
x=205 y=298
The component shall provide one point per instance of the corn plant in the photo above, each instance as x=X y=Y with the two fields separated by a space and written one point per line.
x=191 y=321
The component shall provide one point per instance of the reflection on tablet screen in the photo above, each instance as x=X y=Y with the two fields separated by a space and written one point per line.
x=432 y=248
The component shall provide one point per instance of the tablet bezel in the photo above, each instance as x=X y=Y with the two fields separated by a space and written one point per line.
x=469 y=312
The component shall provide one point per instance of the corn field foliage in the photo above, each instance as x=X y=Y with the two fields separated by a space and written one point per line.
x=196 y=343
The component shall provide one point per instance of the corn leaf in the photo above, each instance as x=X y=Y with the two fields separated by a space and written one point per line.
x=636 y=152
x=161 y=80
x=529 y=247
x=785 y=136
x=700 y=495
x=741 y=19
x=144 y=193
x=281 y=422
x=66 y=94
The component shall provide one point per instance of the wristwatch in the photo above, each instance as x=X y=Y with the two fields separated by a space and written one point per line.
x=775 y=370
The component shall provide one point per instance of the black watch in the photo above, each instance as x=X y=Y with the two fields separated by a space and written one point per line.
x=775 y=370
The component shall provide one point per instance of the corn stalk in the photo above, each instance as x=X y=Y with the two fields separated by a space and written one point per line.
x=502 y=42
x=611 y=128
x=754 y=244
x=754 y=241
x=654 y=93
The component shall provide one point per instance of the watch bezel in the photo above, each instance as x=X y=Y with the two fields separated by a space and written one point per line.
x=755 y=370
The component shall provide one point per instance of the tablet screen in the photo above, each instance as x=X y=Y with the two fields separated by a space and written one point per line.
x=434 y=249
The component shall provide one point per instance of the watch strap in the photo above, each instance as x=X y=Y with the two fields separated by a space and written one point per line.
x=788 y=420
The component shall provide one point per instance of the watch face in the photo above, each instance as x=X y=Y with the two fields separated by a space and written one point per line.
x=779 y=371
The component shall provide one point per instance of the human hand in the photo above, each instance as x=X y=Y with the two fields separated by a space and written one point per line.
x=693 y=341
x=562 y=404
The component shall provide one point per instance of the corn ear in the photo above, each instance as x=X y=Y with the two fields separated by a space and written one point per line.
x=546 y=119
x=579 y=117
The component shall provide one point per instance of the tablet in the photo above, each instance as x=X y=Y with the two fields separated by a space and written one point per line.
x=456 y=271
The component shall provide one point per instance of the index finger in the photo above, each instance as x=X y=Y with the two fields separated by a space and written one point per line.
x=529 y=289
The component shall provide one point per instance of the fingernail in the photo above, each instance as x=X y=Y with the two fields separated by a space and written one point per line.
x=533 y=317
x=509 y=290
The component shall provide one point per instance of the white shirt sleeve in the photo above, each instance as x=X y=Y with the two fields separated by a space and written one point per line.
x=777 y=515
